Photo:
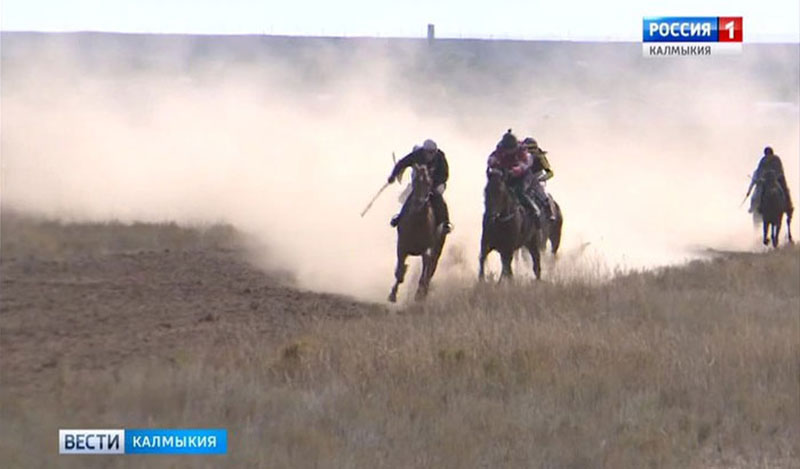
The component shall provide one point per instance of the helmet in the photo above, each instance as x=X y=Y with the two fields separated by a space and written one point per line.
x=768 y=151
x=509 y=141
x=532 y=147
x=429 y=145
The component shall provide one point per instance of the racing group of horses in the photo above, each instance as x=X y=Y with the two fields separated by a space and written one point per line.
x=508 y=227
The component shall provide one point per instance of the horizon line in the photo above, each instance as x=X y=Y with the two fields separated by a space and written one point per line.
x=759 y=40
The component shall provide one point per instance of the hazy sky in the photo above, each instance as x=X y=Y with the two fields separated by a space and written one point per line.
x=766 y=20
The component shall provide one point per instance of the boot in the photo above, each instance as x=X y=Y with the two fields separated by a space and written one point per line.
x=753 y=207
x=441 y=212
x=530 y=205
x=395 y=221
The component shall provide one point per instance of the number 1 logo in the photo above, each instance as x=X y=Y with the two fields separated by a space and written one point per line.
x=729 y=28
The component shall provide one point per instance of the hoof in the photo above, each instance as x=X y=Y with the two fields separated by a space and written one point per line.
x=392 y=298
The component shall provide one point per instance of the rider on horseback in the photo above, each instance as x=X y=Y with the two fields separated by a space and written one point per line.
x=769 y=162
x=514 y=158
x=431 y=156
x=541 y=172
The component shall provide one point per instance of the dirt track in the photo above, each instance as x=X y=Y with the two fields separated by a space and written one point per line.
x=98 y=311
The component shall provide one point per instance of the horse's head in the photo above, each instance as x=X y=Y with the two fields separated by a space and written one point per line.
x=497 y=198
x=770 y=178
x=771 y=186
x=421 y=181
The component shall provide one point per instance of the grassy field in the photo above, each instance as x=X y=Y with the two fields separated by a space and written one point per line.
x=687 y=367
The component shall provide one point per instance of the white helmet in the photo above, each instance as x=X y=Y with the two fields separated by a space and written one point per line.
x=429 y=145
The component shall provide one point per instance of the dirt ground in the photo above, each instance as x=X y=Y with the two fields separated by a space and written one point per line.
x=113 y=325
x=87 y=310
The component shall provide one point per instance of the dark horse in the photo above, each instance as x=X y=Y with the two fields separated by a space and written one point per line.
x=506 y=226
x=551 y=229
x=772 y=208
x=417 y=234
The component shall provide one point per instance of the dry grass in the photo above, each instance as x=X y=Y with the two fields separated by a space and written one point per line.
x=24 y=235
x=697 y=366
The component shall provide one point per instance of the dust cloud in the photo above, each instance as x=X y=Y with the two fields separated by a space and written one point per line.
x=289 y=138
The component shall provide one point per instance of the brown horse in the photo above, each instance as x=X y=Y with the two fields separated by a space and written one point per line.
x=551 y=229
x=417 y=234
x=772 y=207
x=506 y=226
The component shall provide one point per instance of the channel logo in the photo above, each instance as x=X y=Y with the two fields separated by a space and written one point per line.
x=143 y=441
x=91 y=441
x=675 y=36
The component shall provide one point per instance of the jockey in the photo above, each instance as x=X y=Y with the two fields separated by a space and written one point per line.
x=514 y=158
x=541 y=173
x=409 y=186
x=769 y=162
x=431 y=156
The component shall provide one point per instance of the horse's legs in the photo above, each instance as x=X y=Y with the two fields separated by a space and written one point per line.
x=789 y=227
x=536 y=256
x=766 y=227
x=555 y=233
x=437 y=254
x=544 y=233
x=776 y=232
x=482 y=258
x=399 y=274
x=506 y=258
x=425 y=276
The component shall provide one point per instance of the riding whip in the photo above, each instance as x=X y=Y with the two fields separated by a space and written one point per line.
x=373 y=199
x=748 y=192
x=745 y=198
x=399 y=176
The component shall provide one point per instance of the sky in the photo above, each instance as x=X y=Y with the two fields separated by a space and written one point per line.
x=764 y=21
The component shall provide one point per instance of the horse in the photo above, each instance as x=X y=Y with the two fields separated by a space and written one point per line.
x=506 y=226
x=550 y=229
x=418 y=234
x=772 y=208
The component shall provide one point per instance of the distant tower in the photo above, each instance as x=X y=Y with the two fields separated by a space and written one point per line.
x=431 y=33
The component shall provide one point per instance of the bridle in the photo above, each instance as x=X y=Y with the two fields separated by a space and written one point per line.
x=418 y=201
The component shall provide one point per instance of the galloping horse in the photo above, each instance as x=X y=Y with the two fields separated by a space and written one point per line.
x=551 y=229
x=417 y=234
x=506 y=226
x=772 y=208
